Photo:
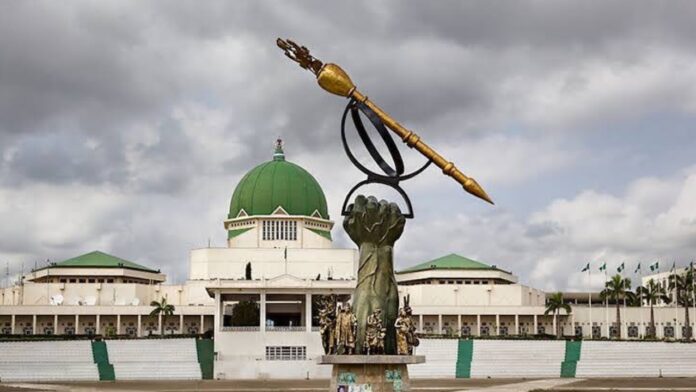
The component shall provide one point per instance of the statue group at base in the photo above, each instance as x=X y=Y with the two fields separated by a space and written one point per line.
x=346 y=326
x=406 y=338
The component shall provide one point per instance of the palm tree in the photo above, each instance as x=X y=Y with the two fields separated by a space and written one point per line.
x=554 y=304
x=652 y=292
x=616 y=289
x=683 y=286
x=164 y=309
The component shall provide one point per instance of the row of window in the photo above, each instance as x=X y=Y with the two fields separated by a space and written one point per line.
x=458 y=281
x=286 y=353
x=273 y=230
x=317 y=225
x=89 y=280
x=96 y=280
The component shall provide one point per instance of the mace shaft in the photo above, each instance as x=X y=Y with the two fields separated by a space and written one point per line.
x=414 y=141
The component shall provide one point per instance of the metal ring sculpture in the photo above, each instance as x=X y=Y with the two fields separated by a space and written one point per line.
x=392 y=175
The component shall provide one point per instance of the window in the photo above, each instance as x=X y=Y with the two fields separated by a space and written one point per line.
x=72 y=280
x=90 y=280
x=82 y=281
x=286 y=353
x=109 y=281
x=273 y=230
x=63 y=281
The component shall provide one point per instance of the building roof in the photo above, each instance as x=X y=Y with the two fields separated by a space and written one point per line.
x=449 y=262
x=278 y=183
x=99 y=259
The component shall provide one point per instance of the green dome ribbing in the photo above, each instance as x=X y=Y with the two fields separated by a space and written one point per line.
x=278 y=183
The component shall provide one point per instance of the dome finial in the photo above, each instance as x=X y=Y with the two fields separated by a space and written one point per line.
x=278 y=154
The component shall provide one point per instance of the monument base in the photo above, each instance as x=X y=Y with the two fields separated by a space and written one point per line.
x=370 y=373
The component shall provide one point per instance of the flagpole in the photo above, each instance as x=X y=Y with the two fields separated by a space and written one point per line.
x=693 y=298
x=676 y=298
x=606 y=304
x=589 y=297
x=640 y=275
x=623 y=267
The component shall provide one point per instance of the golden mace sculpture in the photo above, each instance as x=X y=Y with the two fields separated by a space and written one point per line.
x=335 y=80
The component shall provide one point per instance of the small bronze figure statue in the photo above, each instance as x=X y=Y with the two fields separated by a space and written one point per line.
x=406 y=337
x=346 y=326
x=374 y=334
x=327 y=323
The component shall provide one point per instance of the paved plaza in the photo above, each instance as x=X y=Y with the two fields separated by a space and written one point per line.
x=451 y=385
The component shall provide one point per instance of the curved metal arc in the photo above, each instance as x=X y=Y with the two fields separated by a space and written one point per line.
x=395 y=186
x=393 y=176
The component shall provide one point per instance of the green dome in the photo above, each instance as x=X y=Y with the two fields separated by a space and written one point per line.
x=278 y=183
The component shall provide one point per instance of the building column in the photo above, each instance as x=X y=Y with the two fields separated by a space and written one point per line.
x=181 y=323
x=140 y=323
x=308 y=312
x=262 y=316
x=478 y=325
x=420 y=323
x=118 y=324
x=77 y=324
x=439 y=324
x=217 y=319
x=13 y=324
x=55 y=324
x=497 y=324
x=159 y=324
x=98 y=325
x=33 y=324
x=535 y=328
x=202 y=330
x=459 y=325
x=517 y=324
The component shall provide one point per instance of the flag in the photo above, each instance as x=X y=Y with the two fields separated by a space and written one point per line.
x=587 y=268
x=674 y=267
x=621 y=268
x=654 y=266
x=603 y=267
x=637 y=269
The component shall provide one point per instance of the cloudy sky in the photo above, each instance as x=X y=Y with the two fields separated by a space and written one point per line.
x=125 y=126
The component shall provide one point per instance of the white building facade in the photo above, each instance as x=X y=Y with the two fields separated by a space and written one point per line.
x=257 y=295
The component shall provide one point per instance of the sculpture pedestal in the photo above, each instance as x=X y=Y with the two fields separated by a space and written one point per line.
x=370 y=373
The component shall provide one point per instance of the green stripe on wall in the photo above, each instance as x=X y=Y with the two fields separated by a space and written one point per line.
x=465 y=353
x=101 y=358
x=572 y=356
x=204 y=348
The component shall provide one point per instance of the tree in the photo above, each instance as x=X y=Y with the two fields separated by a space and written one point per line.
x=164 y=309
x=616 y=289
x=652 y=292
x=245 y=314
x=247 y=271
x=683 y=286
x=554 y=304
